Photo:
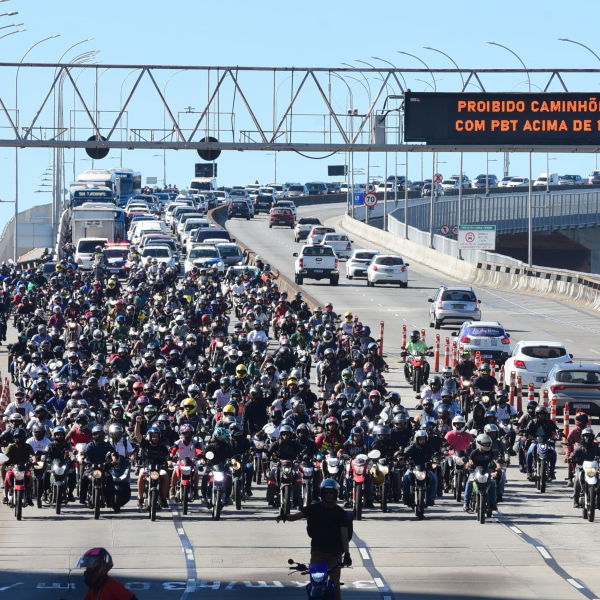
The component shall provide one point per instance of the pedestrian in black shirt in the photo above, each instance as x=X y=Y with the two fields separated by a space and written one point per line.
x=329 y=529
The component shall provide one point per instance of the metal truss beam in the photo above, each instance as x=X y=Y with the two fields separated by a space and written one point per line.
x=291 y=147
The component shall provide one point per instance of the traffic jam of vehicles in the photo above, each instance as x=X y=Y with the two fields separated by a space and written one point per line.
x=151 y=364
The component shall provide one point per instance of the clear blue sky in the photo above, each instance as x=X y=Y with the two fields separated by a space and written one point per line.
x=268 y=33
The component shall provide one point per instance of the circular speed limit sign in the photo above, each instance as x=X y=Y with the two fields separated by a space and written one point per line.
x=470 y=237
x=370 y=200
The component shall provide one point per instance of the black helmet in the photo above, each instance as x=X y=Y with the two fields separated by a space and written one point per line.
x=502 y=396
x=330 y=485
x=415 y=336
x=541 y=409
x=531 y=405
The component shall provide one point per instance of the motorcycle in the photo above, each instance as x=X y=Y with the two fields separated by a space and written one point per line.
x=121 y=488
x=286 y=477
x=420 y=481
x=381 y=472
x=257 y=459
x=217 y=496
x=457 y=475
x=238 y=466
x=96 y=489
x=307 y=471
x=416 y=369
x=332 y=466
x=319 y=585
x=479 y=504
x=355 y=480
x=303 y=361
x=589 y=489
x=541 y=464
x=17 y=480
x=59 y=471
x=152 y=489
x=39 y=469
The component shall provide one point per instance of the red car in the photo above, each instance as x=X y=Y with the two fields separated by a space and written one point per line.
x=281 y=216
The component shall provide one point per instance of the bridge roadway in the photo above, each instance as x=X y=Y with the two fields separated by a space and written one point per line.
x=536 y=547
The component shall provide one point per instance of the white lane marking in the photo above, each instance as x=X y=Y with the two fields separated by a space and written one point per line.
x=570 y=341
x=516 y=530
x=379 y=583
x=575 y=584
x=364 y=553
x=594 y=351
x=544 y=552
x=180 y=530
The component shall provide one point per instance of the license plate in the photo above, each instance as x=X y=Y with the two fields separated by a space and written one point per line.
x=485 y=355
x=458 y=306
x=538 y=379
x=494 y=342
x=318 y=270
x=281 y=222
x=476 y=342
x=586 y=406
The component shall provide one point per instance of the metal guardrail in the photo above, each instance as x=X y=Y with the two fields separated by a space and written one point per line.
x=552 y=211
x=448 y=246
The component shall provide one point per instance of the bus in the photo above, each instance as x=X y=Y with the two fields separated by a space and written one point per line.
x=129 y=183
x=92 y=193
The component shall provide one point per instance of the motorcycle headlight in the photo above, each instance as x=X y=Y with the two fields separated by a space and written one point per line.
x=543 y=447
x=97 y=474
x=460 y=462
x=186 y=470
x=218 y=476
x=308 y=470
x=318 y=577
x=591 y=471
x=59 y=470
x=482 y=477
x=154 y=475
x=287 y=470
x=384 y=470
x=420 y=475
x=236 y=465
x=219 y=344
x=19 y=475
x=333 y=462
x=359 y=470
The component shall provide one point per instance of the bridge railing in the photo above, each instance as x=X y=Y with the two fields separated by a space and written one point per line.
x=550 y=212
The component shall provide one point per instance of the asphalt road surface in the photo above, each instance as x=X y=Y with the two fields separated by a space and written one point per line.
x=537 y=546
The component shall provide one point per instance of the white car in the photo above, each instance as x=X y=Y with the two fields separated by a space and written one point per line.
x=277 y=189
x=161 y=253
x=203 y=256
x=359 y=261
x=340 y=242
x=505 y=181
x=518 y=182
x=534 y=360
x=287 y=204
x=296 y=191
x=448 y=185
x=570 y=180
x=381 y=187
x=316 y=235
x=489 y=338
x=387 y=269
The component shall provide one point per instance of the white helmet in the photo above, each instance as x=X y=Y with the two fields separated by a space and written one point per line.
x=459 y=423
x=483 y=442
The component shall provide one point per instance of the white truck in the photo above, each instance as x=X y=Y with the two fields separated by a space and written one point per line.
x=316 y=262
x=204 y=184
x=93 y=220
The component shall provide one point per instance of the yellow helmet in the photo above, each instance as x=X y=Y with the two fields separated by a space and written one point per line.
x=378 y=476
x=189 y=406
x=292 y=381
x=348 y=316
x=58 y=268
x=229 y=411
x=111 y=284
x=241 y=371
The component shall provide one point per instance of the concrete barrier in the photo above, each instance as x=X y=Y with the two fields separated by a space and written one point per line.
x=580 y=288
x=219 y=216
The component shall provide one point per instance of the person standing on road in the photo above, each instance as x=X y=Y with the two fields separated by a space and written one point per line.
x=96 y=563
x=328 y=527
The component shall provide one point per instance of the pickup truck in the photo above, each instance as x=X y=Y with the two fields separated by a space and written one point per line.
x=316 y=262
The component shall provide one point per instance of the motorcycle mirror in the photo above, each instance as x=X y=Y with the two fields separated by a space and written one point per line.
x=290 y=561
x=209 y=455
x=3 y=458
x=374 y=454
x=454 y=334
x=429 y=299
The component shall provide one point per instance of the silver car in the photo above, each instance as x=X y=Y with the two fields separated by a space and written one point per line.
x=455 y=304
x=578 y=384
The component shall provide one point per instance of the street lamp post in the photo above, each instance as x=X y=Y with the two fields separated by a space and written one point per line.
x=16 y=247
x=12 y=32
x=421 y=61
x=487 y=173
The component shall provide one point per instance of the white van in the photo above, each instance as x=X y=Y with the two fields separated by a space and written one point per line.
x=85 y=250
x=141 y=227
x=542 y=180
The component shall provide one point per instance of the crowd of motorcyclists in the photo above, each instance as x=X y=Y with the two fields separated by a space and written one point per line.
x=205 y=385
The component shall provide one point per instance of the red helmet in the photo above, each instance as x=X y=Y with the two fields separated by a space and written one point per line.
x=329 y=306
x=206 y=319
x=138 y=388
x=97 y=562
x=120 y=303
